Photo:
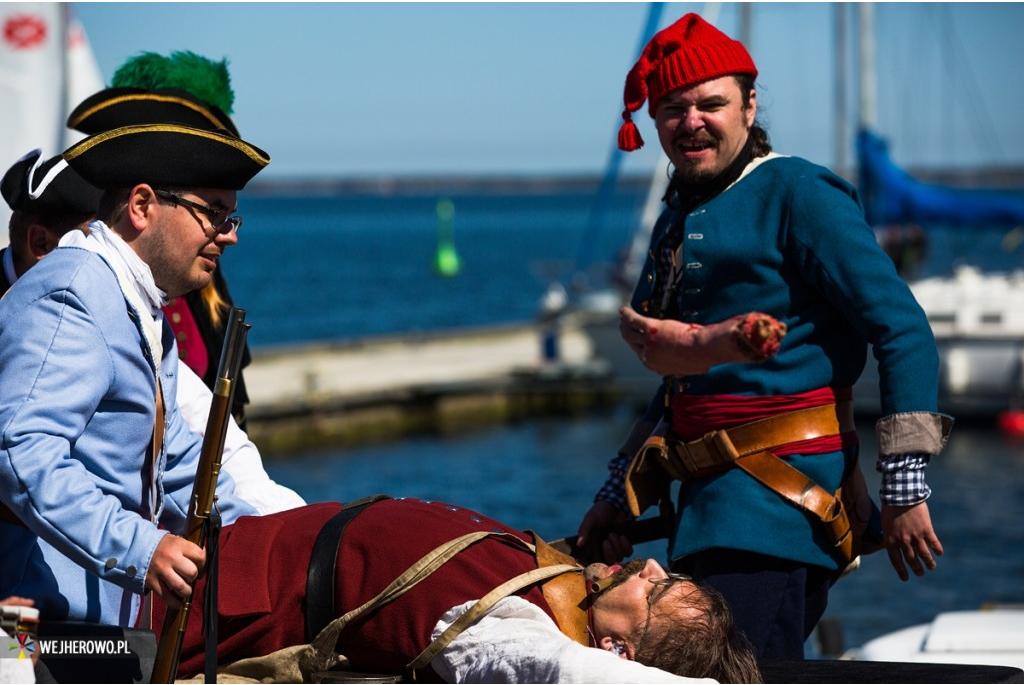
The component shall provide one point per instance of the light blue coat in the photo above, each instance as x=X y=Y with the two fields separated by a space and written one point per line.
x=77 y=410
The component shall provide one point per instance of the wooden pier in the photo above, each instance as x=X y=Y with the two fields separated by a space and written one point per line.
x=329 y=394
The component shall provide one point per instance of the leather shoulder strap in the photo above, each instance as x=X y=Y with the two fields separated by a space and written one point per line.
x=564 y=593
x=790 y=483
x=474 y=613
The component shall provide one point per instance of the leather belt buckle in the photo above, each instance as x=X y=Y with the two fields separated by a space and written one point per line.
x=720 y=445
x=688 y=462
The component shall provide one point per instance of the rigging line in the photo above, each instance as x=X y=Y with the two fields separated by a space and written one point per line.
x=957 y=63
x=602 y=200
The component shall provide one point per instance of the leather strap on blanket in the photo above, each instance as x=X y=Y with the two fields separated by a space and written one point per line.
x=647 y=485
x=320 y=655
x=320 y=583
x=303 y=663
x=471 y=615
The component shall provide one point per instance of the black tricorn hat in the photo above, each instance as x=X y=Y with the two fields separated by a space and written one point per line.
x=166 y=155
x=48 y=186
x=116 y=107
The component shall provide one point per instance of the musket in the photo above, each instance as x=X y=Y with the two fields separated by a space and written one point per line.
x=204 y=490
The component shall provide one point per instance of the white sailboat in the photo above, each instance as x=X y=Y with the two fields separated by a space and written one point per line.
x=47 y=67
x=977 y=316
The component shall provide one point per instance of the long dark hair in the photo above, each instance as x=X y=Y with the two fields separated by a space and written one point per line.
x=762 y=145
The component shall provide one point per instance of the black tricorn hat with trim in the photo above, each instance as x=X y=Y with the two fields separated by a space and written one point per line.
x=48 y=186
x=116 y=107
x=166 y=155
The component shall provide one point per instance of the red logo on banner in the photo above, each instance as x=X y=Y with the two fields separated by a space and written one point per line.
x=76 y=36
x=23 y=31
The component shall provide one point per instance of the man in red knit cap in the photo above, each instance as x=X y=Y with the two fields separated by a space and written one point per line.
x=762 y=449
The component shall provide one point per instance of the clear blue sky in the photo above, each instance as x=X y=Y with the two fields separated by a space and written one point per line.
x=381 y=89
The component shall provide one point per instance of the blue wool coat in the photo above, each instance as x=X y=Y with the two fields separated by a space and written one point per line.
x=77 y=410
x=789 y=239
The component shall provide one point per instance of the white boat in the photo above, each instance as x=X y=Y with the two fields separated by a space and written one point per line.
x=978 y=321
x=991 y=637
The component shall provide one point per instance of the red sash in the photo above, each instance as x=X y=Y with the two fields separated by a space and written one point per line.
x=693 y=416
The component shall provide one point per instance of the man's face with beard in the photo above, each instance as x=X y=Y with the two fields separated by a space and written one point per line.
x=703 y=127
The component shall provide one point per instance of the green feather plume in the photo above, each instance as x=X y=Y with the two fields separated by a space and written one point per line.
x=207 y=80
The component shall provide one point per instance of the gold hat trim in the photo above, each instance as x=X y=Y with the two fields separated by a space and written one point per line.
x=150 y=97
x=237 y=143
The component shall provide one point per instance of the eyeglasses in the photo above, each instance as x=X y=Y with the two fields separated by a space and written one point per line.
x=661 y=586
x=224 y=226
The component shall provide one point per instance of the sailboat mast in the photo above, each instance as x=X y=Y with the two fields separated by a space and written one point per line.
x=868 y=75
x=840 y=10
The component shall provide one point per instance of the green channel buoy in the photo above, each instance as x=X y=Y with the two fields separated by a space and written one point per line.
x=446 y=258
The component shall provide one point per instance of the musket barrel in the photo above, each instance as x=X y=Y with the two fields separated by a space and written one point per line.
x=165 y=665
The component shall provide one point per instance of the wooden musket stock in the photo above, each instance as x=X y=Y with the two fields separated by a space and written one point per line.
x=165 y=664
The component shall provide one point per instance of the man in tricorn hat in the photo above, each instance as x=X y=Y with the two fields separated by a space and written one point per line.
x=86 y=362
x=183 y=88
x=46 y=202
x=434 y=591
x=49 y=198
x=762 y=450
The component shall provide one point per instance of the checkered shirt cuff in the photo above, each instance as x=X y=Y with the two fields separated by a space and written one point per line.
x=614 y=489
x=903 y=479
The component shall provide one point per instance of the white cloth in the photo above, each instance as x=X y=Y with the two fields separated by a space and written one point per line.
x=516 y=642
x=241 y=458
x=134 y=275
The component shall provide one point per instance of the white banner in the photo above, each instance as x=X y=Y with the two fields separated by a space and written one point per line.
x=46 y=68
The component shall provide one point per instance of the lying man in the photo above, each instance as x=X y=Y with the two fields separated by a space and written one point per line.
x=435 y=591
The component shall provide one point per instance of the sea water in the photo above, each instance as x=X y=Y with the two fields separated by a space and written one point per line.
x=334 y=268
x=352 y=266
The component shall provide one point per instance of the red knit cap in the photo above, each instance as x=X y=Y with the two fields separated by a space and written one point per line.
x=687 y=52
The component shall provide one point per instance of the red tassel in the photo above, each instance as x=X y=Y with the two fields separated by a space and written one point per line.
x=629 y=137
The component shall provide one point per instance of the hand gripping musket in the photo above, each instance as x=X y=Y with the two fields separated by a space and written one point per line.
x=203 y=492
x=638 y=531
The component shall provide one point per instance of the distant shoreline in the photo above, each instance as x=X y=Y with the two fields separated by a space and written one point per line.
x=453 y=183
x=991 y=178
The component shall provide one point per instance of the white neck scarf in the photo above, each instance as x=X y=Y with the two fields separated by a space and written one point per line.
x=133 y=274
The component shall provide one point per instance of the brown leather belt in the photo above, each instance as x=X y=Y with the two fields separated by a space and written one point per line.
x=722 y=447
x=749 y=447
x=719 y=449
